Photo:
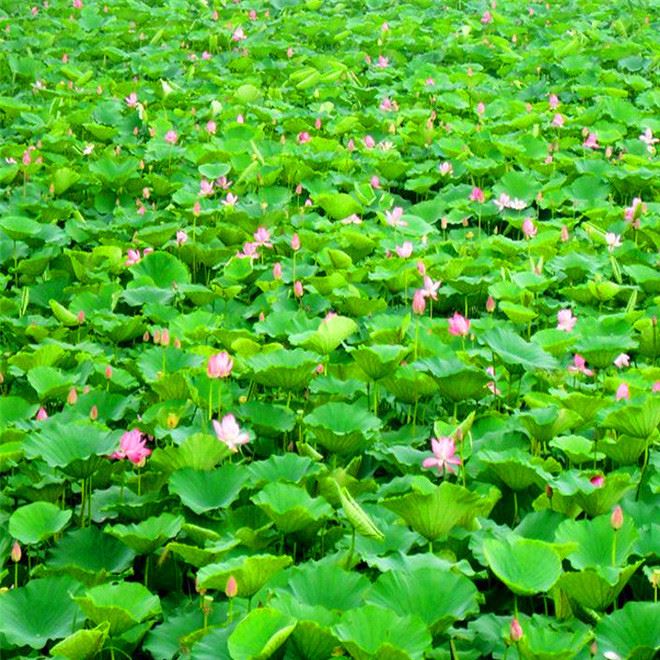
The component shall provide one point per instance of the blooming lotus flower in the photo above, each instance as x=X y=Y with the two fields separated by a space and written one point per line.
x=597 y=481
x=477 y=195
x=393 y=217
x=419 y=302
x=382 y=62
x=262 y=237
x=41 y=414
x=486 y=18
x=211 y=127
x=181 y=237
x=565 y=320
x=553 y=101
x=622 y=360
x=229 y=432
x=558 y=120
x=219 y=365
x=444 y=455
x=205 y=188
x=647 y=138
x=171 y=137
x=655 y=387
x=133 y=257
x=374 y=182
x=223 y=182
x=353 y=219
x=459 y=326
x=230 y=200
x=613 y=241
x=304 y=137
x=405 y=250
x=387 y=105
x=369 y=142
x=446 y=169
x=132 y=446
x=430 y=289
x=529 y=228
x=633 y=212
x=238 y=35
x=591 y=141
x=131 y=100
x=622 y=392
x=481 y=108
x=580 y=366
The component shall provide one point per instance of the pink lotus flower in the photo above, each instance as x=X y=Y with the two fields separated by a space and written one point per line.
x=211 y=127
x=230 y=200
x=597 y=481
x=353 y=219
x=304 y=137
x=459 y=326
x=622 y=392
x=616 y=519
x=238 y=35
x=477 y=195
x=565 y=320
x=564 y=234
x=515 y=630
x=374 y=182
x=529 y=228
x=223 y=182
x=419 y=302
x=171 y=137
x=446 y=169
x=393 y=217
x=181 y=238
x=295 y=242
x=591 y=142
x=655 y=387
x=481 y=108
x=490 y=304
x=133 y=257
x=405 y=250
x=277 y=271
x=647 y=138
x=205 y=188
x=219 y=365
x=622 y=360
x=229 y=432
x=613 y=241
x=131 y=100
x=262 y=237
x=16 y=553
x=240 y=119
x=350 y=145
x=429 y=82
x=132 y=446
x=387 y=105
x=369 y=142
x=444 y=455
x=430 y=289
x=72 y=396
x=298 y=289
x=580 y=366
x=421 y=268
x=633 y=212
x=486 y=18
x=382 y=62
x=558 y=120
x=41 y=414
x=553 y=101
x=231 y=588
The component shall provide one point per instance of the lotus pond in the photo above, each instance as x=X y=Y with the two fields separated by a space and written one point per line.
x=329 y=329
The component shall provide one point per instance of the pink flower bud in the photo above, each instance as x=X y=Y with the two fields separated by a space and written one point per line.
x=597 y=481
x=108 y=372
x=81 y=317
x=94 y=413
x=419 y=302
x=490 y=304
x=295 y=242
x=515 y=630
x=564 y=233
x=616 y=519
x=231 y=589
x=16 y=552
x=41 y=414
x=72 y=397
x=622 y=392
x=298 y=289
x=277 y=271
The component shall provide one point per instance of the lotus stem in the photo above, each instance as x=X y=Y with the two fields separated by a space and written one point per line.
x=210 y=400
x=614 y=548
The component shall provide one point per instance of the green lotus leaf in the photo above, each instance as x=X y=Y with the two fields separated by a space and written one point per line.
x=379 y=360
x=439 y=598
x=10 y=454
x=339 y=205
x=595 y=500
x=199 y=451
x=410 y=385
x=592 y=589
x=548 y=639
x=516 y=468
x=544 y=424
x=515 y=351
x=288 y=467
x=82 y=644
x=146 y=536
x=626 y=449
x=204 y=491
x=290 y=370
x=198 y=557
x=291 y=508
x=15 y=409
x=341 y=427
x=526 y=566
x=374 y=632
x=267 y=418
x=37 y=522
x=578 y=448
x=585 y=405
x=49 y=382
x=120 y=604
x=435 y=510
x=638 y=421
x=89 y=555
x=260 y=634
x=517 y=313
x=455 y=380
x=330 y=334
x=213 y=645
x=250 y=572
x=53 y=614
x=553 y=341
x=631 y=632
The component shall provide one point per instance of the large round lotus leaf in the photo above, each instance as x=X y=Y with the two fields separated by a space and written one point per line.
x=439 y=598
x=516 y=468
x=198 y=557
x=553 y=341
x=82 y=644
x=162 y=268
x=379 y=360
x=121 y=604
x=543 y=424
x=550 y=640
x=433 y=511
x=324 y=584
x=515 y=351
x=329 y=335
x=260 y=634
x=290 y=507
x=455 y=380
x=626 y=449
x=373 y=632
x=594 y=539
x=213 y=646
x=267 y=418
x=633 y=632
x=639 y=421
x=40 y=611
x=89 y=555
x=20 y=227
x=15 y=409
x=251 y=573
x=203 y=491
x=49 y=382
x=79 y=449
x=290 y=370
x=146 y=536
x=585 y=405
x=287 y=467
x=10 y=454
x=38 y=521
x=578 y=448
x=526 y=566
x=312 y=641
x=199 y=451
x=409 y=385
x=596 y=589
x=342 y=427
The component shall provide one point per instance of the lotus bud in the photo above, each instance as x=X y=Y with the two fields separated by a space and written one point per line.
x=108 y=372
x=94 y=413
x=165 y=337
x=41 y=414
x=616 y=519
x=298 y=289
x=490 y=304
x=231 y=590
x=72 y=397
x=81 y=317
x=16 y=552
x=515 y=630
x=277 y=271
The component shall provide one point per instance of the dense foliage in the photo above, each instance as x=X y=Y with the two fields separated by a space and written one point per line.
x=329 y=328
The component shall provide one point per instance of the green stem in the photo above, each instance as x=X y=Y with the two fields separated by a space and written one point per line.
x=614 y=548
x=210 y=400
